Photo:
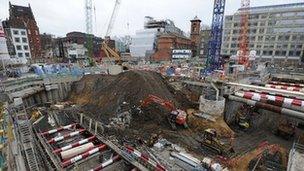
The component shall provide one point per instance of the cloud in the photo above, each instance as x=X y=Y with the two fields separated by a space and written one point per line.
x=59 y=17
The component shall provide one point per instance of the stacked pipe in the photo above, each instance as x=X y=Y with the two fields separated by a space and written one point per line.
x=284 y=87
x=292 y=103
x=83 y=156
x=57 y=130
x=286 y=84
x=76 y=144
x=60 y=138
x=284 y=111
x=145 y=158
x=107 y=163
x=270 y=93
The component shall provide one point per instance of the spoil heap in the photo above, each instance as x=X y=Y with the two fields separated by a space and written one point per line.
x=103 y=95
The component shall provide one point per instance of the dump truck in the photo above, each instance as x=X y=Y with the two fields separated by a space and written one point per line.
x=211 y=141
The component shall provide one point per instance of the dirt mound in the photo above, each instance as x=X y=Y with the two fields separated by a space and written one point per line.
x=103 y=96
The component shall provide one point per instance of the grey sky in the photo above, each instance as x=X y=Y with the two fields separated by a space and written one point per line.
x=61 y=16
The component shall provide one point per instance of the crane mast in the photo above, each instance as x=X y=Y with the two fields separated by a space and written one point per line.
x=214 y=50
x=89 y=29
x=113 y=17
x=243 y=55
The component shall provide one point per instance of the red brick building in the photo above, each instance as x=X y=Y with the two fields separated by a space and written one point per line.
x=166 y=43
x=195 y=35
x=23 y=17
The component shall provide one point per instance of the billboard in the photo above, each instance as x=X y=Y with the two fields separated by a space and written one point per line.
x=181 y=53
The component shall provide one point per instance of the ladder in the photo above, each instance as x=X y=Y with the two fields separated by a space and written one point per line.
x=26 y=138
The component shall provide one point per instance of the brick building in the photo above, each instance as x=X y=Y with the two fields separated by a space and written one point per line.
x=21 y=17
x=195 y=35
x=166 y=43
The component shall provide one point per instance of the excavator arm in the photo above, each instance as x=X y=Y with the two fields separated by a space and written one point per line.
x=155 y=99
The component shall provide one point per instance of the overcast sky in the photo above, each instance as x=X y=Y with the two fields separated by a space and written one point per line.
x=59 y=17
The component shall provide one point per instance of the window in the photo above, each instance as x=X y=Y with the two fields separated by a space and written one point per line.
x=17 y=39
x=261 y=31
x=285 y=46
x=298 y=53
x=262 y=23
x=287 y=37
x=25 y=47
x=15 y=32
x=27 y=54
x=299 y=46
x=263 y=16
x=283 y=53
x=20 y=55
x=291 y=53
x=22 y=32
x=18 y=47
x=24 y=40
x=294 y=37
x=259 y=46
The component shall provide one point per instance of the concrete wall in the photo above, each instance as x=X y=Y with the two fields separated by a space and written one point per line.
x=212 y=107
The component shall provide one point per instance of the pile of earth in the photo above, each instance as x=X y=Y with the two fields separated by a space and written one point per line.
x=101 y=96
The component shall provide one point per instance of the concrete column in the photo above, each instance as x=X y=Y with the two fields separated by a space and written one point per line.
x=60 y=95
x=55 y=94
x=96 y=125
x=49 y=96
x=25 y=102
x=43 y=97
x=37 y=98
x=90 y=125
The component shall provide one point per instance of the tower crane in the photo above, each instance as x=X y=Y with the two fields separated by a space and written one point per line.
x=243 y=55
x=214 y=59
x=110 y=53
x=89 y=29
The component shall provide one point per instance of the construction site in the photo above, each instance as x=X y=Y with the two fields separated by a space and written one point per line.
x=125 y=112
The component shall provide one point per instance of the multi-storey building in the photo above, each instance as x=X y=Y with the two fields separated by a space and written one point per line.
x=23 y=18
x=276 y=33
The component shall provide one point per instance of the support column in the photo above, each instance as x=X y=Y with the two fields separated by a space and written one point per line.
x=49 y=96
x=43 y=96
x=90 y=125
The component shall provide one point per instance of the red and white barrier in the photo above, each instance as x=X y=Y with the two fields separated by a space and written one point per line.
x=83 y=156
x=145 y=158
x=58 y=129
x=60 y=138
x=278 y=100
x=106 y=163
x=286 y=84
x=282 y=87
x=78 y=143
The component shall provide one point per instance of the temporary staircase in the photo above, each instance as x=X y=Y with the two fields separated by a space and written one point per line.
x=26 y=138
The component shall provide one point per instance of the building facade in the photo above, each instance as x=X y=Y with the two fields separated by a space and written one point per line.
x=21 y=17
x=21 y=43
x=144 y=43
x=276 y=33
x=168 y=42
x=205 y=38
x=195 y=35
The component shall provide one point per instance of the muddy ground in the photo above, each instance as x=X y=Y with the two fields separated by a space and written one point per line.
x=101 y=97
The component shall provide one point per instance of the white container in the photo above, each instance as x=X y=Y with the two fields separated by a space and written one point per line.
x=76 y=151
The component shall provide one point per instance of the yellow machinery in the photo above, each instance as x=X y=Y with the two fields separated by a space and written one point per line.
x=111 y=54
x=210 y=140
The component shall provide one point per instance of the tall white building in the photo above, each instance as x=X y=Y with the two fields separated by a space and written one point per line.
x=4 y=55
x=20 y=42
x=276 y=33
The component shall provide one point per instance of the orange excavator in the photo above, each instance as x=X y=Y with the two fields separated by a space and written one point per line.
x=176 y=116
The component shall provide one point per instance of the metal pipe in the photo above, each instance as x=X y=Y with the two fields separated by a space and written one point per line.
x=294 y=104
x=107 y=163
x=276 y=109
x=298 y=89
x=286 y=92
x=145 y=158
x=57 y=129
x=78 y=143
x=286 y=84
x=76 y=151
x=216 y=89
x=60 y=138
x=83 y=156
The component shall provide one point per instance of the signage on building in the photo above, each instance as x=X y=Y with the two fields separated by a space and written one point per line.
x=181 y=53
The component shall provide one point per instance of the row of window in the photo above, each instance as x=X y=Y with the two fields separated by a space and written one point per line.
x=18 y=40
x=270 y=53
x=264 y=16
x=19 y=47
x=21 y=55
x=270 y=38
x=16 y=32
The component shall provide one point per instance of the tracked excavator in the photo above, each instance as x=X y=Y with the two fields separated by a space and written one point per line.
x=175 y=117
x=211 y=141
